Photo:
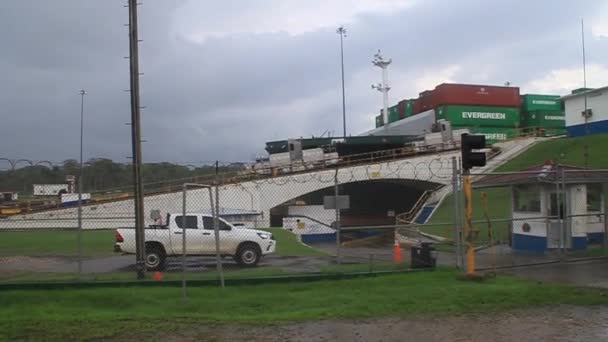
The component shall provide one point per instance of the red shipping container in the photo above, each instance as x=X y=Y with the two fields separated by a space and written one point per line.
x=416 y=106
x=469 y=94
x=401 y=109
x=426 y=93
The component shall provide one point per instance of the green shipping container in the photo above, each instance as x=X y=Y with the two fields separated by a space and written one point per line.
x=544 y=119
x=493 y=134
x=379 y=121
x=393 y=114
x=479 y=116
x=405 y=108
x=533 y=102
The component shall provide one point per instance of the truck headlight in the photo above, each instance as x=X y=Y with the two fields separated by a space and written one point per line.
x=264 y=236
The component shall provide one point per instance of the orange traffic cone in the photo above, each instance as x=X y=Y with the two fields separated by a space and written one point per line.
x=397 y=258
x=157 y=275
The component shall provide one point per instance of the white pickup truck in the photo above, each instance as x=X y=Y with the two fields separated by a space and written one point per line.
x=246 y=246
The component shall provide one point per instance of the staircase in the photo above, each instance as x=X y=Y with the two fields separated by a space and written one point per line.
x=425 y=213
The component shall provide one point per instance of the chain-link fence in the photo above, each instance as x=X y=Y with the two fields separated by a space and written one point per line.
x=543 y=214
x=388 y=215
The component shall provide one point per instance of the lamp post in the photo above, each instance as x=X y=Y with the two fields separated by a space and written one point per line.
x=82 y=93
x=342 y=32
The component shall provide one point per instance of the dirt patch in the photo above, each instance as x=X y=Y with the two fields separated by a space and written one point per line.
x=561 y=323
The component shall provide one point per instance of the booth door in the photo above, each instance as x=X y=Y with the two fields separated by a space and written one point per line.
x=554 y=228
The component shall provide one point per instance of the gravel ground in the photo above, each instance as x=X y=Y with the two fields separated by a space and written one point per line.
x=561 y=323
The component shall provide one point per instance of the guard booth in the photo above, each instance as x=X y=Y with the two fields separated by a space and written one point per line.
x=554 y=206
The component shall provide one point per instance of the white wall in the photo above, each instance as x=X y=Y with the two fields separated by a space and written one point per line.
x=597 y=101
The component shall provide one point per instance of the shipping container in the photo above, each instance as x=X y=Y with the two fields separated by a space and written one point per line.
x=416 y=106
x=393 y=114
x=543 y=119
x=533 y=102
x=72 y=199
x=405 y=109
x=479 y=116
x=50 y=189
x=468 y=94
x=379 y=121
x=493 y=134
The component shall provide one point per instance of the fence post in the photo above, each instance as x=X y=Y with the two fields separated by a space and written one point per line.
x=456 y=217
x=459 y=217
x=566 y=215
x=338 y=226
x=185 y=189
x=216 y=228
x=605 y=210
x=559 y=201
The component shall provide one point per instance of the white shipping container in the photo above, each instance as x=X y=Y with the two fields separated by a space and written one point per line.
x=71 y=198
x=312 y=155
x=49 y=189
x=279 y=159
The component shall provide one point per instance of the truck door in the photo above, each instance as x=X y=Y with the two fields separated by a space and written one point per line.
x=195 y=234
x=227 y=237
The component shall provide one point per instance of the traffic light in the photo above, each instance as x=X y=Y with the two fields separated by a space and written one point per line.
x=468 y=143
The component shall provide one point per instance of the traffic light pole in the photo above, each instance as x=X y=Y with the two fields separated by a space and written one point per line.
x=468 y=217
x=470 y=159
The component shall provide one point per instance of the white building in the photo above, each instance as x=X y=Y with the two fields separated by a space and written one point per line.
x=593 y=120
x=554 y=206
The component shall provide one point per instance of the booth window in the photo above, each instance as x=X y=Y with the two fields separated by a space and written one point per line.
x=594 y=199
x=527 y=199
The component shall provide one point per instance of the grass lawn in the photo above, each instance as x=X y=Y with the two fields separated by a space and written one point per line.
x=288 y=244
x=568 y=151
x=130 y=312
x=42 y=242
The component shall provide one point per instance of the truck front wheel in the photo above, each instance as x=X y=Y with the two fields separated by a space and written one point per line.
x=155 y=257
x=248 y=254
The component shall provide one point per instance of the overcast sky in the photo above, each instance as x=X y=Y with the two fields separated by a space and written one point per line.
x=223 y=77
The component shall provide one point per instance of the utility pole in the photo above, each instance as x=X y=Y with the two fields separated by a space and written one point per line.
x=342 y=32
x=82 y=93
x=586 y=115
x=138 y=200
x=383 y=87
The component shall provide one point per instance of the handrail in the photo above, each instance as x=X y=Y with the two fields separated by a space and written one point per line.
x=407 y=216
x=312 y=219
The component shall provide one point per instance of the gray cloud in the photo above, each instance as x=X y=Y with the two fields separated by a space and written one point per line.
x=222 y=98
